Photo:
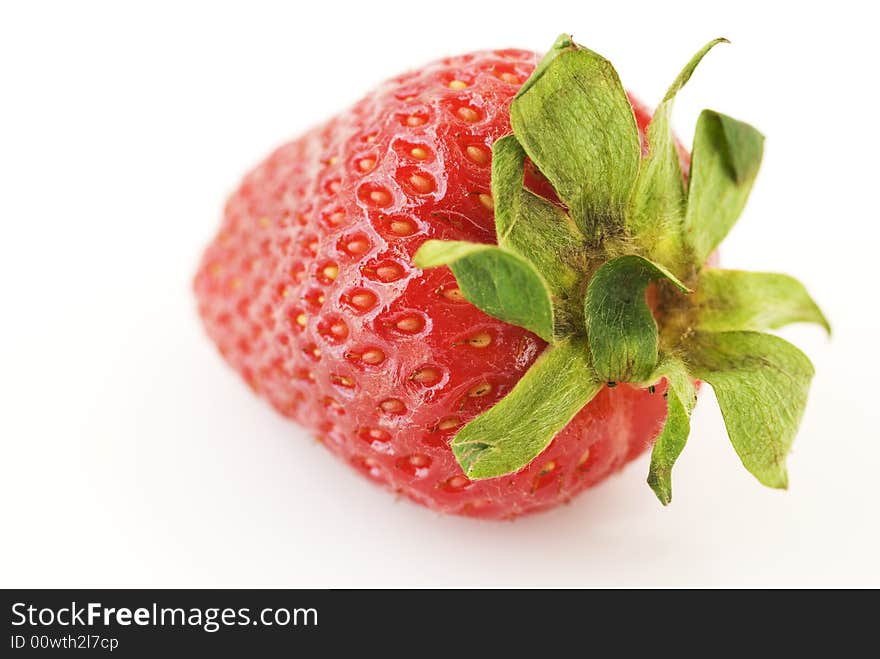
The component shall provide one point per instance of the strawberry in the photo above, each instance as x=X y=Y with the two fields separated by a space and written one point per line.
x=447 y=284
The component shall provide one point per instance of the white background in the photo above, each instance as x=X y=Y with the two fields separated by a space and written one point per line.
x=133 y=456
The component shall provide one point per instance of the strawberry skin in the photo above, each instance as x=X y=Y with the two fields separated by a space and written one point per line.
x=309 y=292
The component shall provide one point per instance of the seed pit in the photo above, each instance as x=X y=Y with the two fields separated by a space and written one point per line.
x=447 y=423
x=400 y=226
x=361 y=299
x=479 y=340
x=328 y=272
x=451 y=293
x=334 y=218
x=333 y=330
x=297 y=272
x=414 y=119
x=416 y=181
x=478 y=154
x=384 y=271
x=371 y=435
x=584 y=462
x=466 y=113
x=415 y=465
x=311 y=244
x=315 y=298
x=342 y=381
x=547 y=475
x=392 y=406
x=374 y=195
x=366 y=164
x=410 y=324
x=455 y=483
x=298 y=319
x=482 y=389
x=369 y=466
x=354 y=245
x=372 y=356
x=412 y=150
x=368 y=356
x=427 y=376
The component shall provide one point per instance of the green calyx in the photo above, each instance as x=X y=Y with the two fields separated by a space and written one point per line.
x=577 y=271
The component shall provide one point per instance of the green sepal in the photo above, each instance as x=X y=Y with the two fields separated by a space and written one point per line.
x=498 y=282
x=658 y=200
x=563 y=42
x=531 y=226
x=558 y=271
x=681 y=396
x=511 y=434
x=725 y=161
x=729 y=300
x=575 y=122
x=761 y=383
x=621 y=329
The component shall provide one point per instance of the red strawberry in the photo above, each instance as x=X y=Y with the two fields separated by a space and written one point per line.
x=310 y=292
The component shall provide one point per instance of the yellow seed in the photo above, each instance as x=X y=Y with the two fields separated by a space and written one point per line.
x=509 y=77
x=457 y=482
x=389 y=272
x=301 y=320
x=409 y=324
x=373 y=356
x=321 y=299
x=380 y=197
x=357 y=246
x=487 y=201
x=392 y=405
x=402 y=227
x=366 y=164
x=480 y=340
x=421 y=183
x=363 y=300
x=480 y=390
x=477 y=154
x=457 y=84
x=584 y=458
x=425 y=375
x=331 y=271
x=264 y=222
x=418 y=153
x=414 y=120
x=452 y=294
x=448 y=423
x=467 y=114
